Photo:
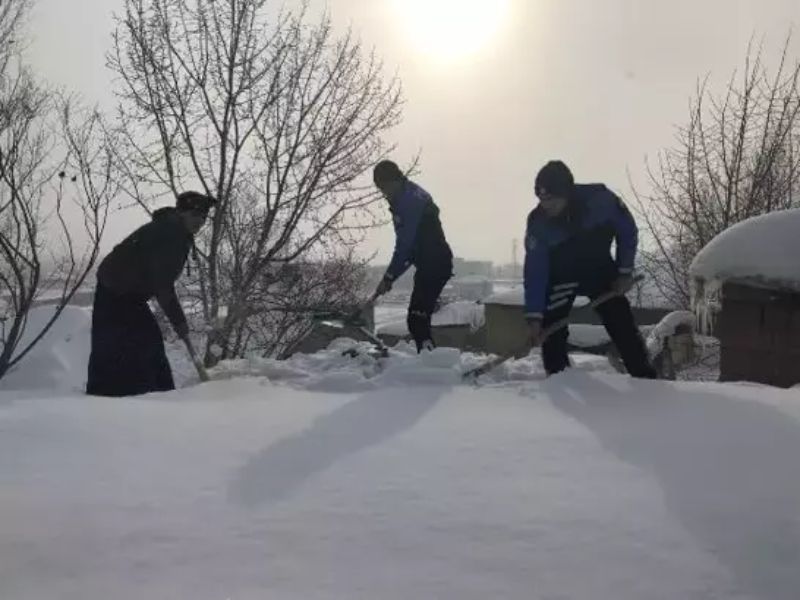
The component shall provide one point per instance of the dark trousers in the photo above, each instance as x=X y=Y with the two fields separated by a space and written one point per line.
x=127 y=356
x=618 y=320
x=428 y=287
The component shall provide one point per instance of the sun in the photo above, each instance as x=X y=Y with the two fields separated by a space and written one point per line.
x=451 y=30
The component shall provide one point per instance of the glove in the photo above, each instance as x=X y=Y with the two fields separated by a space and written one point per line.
x=534 y=332
x=623 y=284
x=182 y=329
x=384 y=287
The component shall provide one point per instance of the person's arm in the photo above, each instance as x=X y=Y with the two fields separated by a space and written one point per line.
x=165 y=256
x=168 y=301
x=627 y=236
x=410 y=209
x=537 y=274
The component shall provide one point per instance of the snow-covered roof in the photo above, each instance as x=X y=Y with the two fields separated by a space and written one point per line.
x=764 y=250
x=516 y=297
x=453 y=314
x=472 y=279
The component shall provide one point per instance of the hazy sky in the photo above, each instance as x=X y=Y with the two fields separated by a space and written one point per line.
x=597 y=83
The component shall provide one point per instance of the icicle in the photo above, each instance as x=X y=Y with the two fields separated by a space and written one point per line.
x=706 y=304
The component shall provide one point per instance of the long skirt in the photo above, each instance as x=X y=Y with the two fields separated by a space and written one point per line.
x=127 y=356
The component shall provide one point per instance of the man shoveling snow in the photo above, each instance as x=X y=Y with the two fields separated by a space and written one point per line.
x=567 y=253
x=420 y=242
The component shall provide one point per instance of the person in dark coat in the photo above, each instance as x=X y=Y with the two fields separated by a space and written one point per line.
x=420 y=242
x=127 y=356
x=568 y=253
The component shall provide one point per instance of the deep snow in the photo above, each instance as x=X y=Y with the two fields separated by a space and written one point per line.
x=405 y=484
x=330 y=477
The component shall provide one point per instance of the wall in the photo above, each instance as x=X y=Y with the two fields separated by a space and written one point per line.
x=507 y=331
x=759 y=333
x=450 y=336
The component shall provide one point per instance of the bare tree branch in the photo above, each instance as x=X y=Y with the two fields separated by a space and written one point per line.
x=278 y=118
x=738 y=157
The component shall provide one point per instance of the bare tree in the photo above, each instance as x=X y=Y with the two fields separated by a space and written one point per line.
x=276 y=117
x=738 y=157
x=55 y=185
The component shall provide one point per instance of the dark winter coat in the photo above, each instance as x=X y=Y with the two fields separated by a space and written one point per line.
x=420 y=239
x=575 y=248
x=147 y=263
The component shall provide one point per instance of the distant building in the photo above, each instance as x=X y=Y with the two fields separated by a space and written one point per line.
x=472 y=268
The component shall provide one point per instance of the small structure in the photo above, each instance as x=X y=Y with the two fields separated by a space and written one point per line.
x=322 y=334
x=506 y=330
x=456 y=325
x=749 y=276
x=472 y=287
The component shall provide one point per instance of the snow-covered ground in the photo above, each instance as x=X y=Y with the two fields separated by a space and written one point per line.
x=327 y=477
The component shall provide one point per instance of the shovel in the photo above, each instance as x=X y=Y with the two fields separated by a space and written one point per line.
x=198 y=364
x=492 y=363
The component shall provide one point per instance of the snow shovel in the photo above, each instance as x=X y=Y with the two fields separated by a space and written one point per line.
x=341 y=320
x=201 y=370
x=492 y=363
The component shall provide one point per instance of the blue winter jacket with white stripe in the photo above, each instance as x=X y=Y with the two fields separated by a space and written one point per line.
x=576 y=246
x=419 y=239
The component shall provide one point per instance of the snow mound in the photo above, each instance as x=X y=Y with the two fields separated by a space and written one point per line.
x=350 y=366
x=762 y=250
x=459 y=313
x=667 y=327
x=58 y=361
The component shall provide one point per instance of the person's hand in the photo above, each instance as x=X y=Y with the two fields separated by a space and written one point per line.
x=534 y=332
x=623 y=284
x=384 y=287
x=182 y=329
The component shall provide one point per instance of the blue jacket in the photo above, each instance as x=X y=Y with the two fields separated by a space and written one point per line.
x=419 y=238
x=576 y=246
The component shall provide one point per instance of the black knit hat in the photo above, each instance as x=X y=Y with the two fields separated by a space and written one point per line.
x=555 y=179
x=386 y=170
x=194 y=201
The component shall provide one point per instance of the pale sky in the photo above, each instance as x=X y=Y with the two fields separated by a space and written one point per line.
x=598 y=83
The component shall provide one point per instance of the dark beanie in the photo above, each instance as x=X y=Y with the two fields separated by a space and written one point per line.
x=194 y=201
x=386 y=170
x=555 y=179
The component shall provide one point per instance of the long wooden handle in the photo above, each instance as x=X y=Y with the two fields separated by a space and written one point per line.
x=548 y=331
x=201 y=370
x=561 y=323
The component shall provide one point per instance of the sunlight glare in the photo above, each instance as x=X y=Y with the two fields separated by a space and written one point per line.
x=449 y=30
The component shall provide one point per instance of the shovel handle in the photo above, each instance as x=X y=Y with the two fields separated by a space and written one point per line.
x=201 y=370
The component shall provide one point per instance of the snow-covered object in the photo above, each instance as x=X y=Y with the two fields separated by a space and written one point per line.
x=587 y=336
x=763 y=251
x=584 y=486
x=460 y=313
x=472 y=287
x=59 y=359
x=667 y=327
x=516 y=297
x=591 y=336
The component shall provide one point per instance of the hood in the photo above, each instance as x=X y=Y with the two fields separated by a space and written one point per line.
x=164 y=211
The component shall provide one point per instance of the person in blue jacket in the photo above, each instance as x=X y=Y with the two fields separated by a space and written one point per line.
x=420 y=242
x=568 y=253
